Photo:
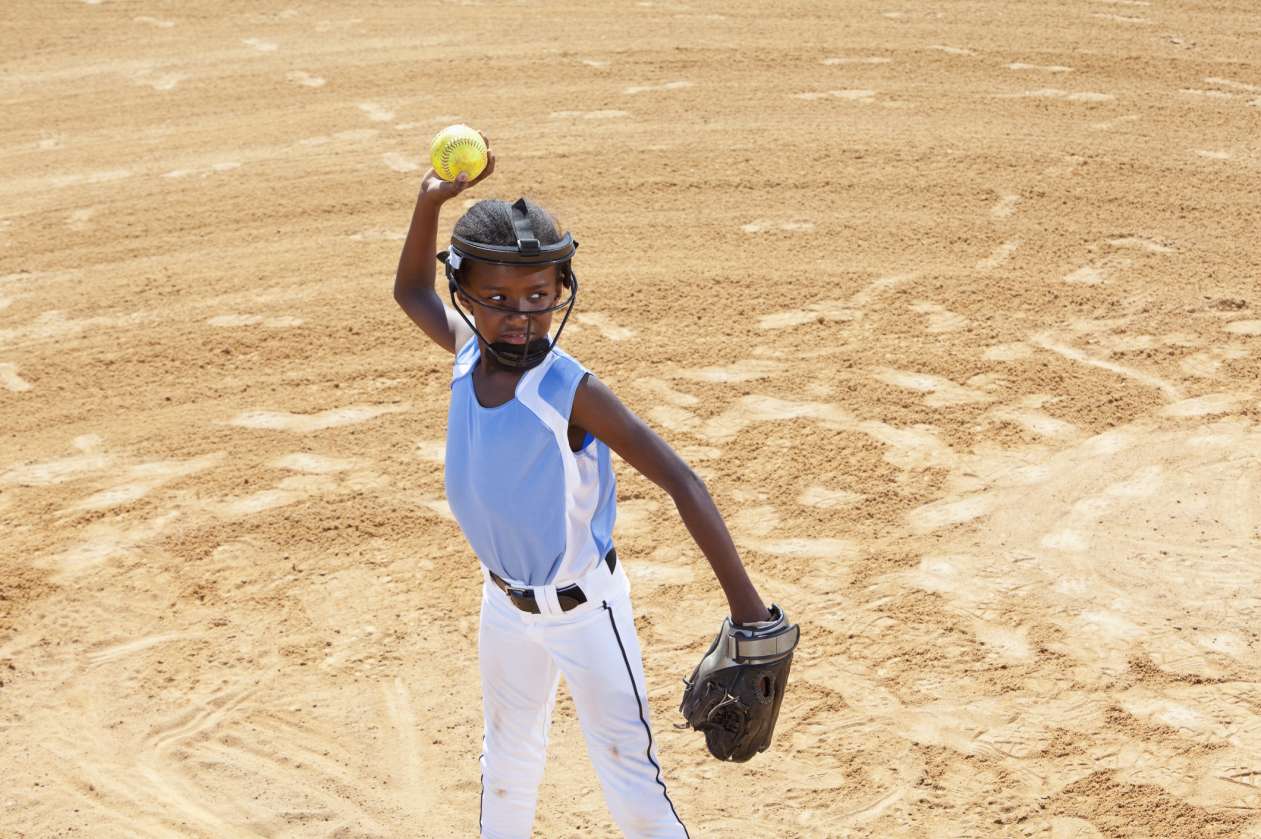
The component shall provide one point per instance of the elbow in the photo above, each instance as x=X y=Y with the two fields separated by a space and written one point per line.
x=684 y=483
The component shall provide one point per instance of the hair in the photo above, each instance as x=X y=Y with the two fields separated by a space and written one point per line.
x=489 y=222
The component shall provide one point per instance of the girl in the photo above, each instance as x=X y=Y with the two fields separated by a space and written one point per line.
x=529 y=479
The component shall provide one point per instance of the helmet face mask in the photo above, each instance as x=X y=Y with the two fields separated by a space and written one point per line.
x=526 y=253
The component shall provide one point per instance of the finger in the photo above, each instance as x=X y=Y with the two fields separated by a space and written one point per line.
x=490 y=166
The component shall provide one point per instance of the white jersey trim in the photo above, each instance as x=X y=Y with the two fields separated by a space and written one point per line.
x=582 y=491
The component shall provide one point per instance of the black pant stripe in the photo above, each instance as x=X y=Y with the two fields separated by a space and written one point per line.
x=634 y=688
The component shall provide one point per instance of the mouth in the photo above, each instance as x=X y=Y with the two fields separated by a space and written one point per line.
x=513 y=337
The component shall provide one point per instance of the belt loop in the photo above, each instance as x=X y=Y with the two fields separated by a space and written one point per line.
x=545 y=596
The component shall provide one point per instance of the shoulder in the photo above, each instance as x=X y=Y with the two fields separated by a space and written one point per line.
x=465 y=359
x=559 y=380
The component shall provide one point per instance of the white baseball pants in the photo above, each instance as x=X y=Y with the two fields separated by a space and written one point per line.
x=595 y=647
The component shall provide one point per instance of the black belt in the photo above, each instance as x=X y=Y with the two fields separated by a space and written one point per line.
x=568 y=597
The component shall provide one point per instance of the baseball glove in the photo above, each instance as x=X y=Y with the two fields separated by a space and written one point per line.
x=735 y=691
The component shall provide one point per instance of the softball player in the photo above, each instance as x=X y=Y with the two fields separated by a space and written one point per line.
x=529 y=479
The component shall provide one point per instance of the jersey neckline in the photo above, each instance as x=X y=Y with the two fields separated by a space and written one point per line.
x=516 y=389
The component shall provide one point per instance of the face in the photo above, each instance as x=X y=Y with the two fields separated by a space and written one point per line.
x=526 y=288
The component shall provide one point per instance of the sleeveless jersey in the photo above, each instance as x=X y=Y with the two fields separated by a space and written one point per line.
x=534 y=511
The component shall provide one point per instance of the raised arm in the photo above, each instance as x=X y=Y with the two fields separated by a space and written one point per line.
x=414 y=282
x=597 y=410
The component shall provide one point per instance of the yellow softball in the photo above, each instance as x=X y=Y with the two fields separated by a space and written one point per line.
x=456 y=149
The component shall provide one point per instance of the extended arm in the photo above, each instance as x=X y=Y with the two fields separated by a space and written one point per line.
x=597 y=410
x=414 y=281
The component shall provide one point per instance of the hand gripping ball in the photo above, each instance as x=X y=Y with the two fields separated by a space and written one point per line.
x=456 y=149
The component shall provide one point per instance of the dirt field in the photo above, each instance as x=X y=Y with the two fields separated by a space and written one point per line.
x=955 y=305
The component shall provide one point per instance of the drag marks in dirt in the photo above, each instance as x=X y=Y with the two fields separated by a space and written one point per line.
x=745 y=370
x=657 y=88
x=1244 y=327
x=400 y=162
x=1056 y=93
x=114 y=652
x=770 y=225
x=379 y=236
x=1039 y=68
x=233 y=738
x=375 y=112
x=10 y=379
x=157 y=23
x=86 y=178
x=1210 y=404
x=1232 y=84
x=79 y=220
x=354 y=135
x=305 y=79
x=1207 y=363
x=1126 y=19
x=1049 y=342
x=754 y=528
x=1086 y=275
x=1111 y=258
x=409 y=774
x=604 y=324
x=948 y=50
x=824 y=498
x=308 y=423
x=206 y=171
x=940 y=319
x=847 y=310
x=91 y=459
x=101 y=541
x=143 y=478
x=604 y=114
x=907 y=448
x=159 y=82
x=277 y=322
x=843 y=61
x=1048 y=509
x=1109 y=124
x=1005 y=207
x=1027 y=413
x=941 y=391
x=1000 y=256
x=859 y=95
x=260 y=44
x=317 y=477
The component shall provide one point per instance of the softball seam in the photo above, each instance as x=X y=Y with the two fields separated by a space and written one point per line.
x=449 y=148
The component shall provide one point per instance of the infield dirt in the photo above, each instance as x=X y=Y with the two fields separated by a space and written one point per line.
x=954 y=305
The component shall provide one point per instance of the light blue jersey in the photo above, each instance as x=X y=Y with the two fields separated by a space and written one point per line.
x=534 y=511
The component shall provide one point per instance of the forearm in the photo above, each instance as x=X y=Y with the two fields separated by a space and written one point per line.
x=416 y=263
x=700 y=515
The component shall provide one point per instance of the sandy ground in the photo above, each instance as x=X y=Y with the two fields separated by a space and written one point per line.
x=954 y=305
